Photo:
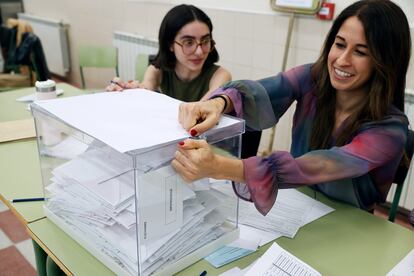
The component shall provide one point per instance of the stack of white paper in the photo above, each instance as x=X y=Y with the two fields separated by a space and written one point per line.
x=93 y=194
x=286 y=217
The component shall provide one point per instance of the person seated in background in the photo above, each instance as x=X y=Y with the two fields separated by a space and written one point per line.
x=184 y=67
x=349 y=129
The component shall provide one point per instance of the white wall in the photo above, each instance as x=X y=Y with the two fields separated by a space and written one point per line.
x=250 y=44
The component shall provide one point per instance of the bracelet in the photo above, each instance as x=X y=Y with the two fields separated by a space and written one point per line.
x=225 y=102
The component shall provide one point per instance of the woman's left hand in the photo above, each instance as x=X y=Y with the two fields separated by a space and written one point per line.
x=194 y=160
x=198 y=117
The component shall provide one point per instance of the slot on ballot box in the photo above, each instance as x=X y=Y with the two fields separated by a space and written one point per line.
x=110 y=186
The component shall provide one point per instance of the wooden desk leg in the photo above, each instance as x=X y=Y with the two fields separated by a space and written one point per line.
x=40 y=256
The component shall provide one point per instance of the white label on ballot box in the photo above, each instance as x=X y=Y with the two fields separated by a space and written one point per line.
x=160 y=203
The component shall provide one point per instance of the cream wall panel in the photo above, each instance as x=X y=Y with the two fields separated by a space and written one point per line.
x=265 y=29
x=243 y=52
x=223 y=22
x=308 y=34
x=243 y=27
x=278 y=51
x=262 y=55
x=225 y=47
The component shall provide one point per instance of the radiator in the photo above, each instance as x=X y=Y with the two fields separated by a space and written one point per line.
x=54 y=37
x=129 y=46
x=407 y=195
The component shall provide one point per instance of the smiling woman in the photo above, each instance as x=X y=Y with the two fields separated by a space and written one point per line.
x=184 y=67
x=349 y=128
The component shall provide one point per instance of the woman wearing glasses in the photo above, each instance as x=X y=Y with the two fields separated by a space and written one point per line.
x=184 y=67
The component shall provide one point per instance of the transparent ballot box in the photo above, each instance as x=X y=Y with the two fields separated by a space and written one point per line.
x=108 y=181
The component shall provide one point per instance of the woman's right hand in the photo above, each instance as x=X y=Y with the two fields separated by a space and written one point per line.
x=118 y=85
x=198 y=117
x=194 y=160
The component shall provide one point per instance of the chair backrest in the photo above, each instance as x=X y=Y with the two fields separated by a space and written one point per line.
x=141 y=66
x=400 y=176
x=98 y=57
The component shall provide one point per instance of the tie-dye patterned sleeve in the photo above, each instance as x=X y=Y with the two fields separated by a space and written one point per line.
x=378 y=145
x=374 y=147
x=261 y=103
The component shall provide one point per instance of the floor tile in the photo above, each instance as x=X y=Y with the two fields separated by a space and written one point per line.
x=14 y=264
x=4 y=240
x=26 y=249
x=12 y=227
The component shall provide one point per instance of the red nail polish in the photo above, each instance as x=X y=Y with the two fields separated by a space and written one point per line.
x=181 y=143
x=193 y=132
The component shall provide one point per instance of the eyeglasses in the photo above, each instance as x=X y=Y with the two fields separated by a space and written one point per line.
x=190 y=45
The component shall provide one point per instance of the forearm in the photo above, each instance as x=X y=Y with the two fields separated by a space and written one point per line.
x=230 y=168
x=152 y=79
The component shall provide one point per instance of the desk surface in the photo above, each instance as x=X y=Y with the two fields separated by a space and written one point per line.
x=20 y=175
x=346 y=242
x=13 y=110
x=21 y=178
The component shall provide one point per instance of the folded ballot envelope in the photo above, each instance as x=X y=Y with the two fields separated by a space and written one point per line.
x=105 y=161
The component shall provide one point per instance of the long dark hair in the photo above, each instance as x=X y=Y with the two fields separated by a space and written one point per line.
x=388 y=39
x=172 y=23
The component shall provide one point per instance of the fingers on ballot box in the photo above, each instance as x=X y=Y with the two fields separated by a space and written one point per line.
x=108 y=182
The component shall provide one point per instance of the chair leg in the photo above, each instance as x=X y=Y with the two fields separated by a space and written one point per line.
x=395 y=201
x=82 y=78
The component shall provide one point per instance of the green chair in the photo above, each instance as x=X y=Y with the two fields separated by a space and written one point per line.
x=400 y=176
x=98 y=57
x=141 y=66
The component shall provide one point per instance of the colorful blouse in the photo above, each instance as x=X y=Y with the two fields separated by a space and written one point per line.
x=360 y=172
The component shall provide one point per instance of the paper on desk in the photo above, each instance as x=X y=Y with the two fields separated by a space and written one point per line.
x=285 y=217
x=16 y=130
x=226 y=254
x=233 y=251
x=118 y=119
x=236 y=271
x=314 y=210
x=404 y=267
x=32 y=97
x=277 y=261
